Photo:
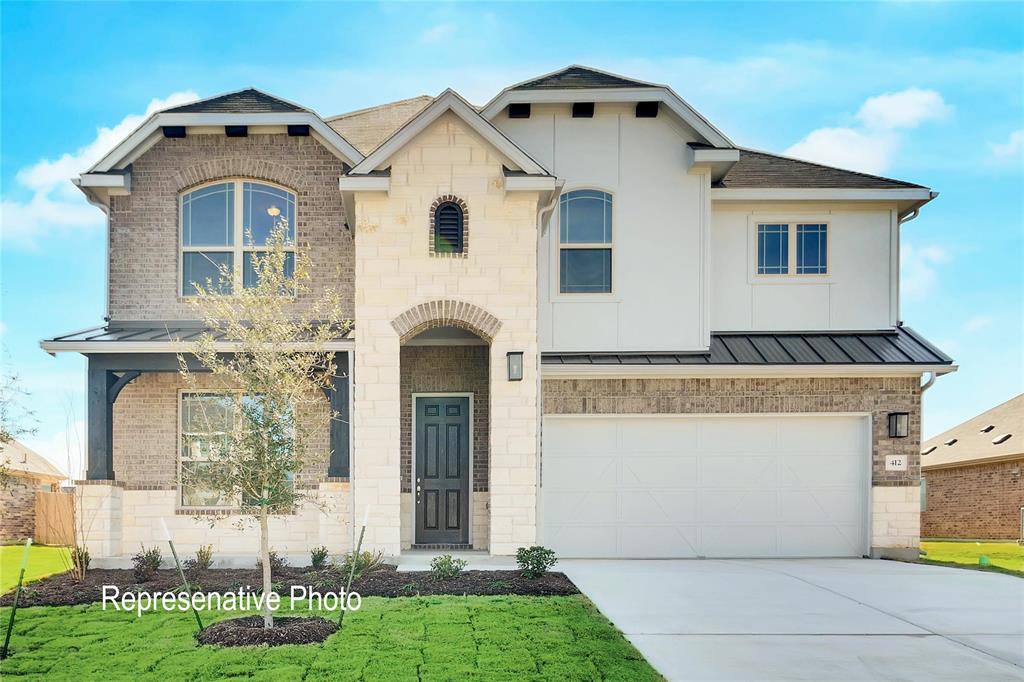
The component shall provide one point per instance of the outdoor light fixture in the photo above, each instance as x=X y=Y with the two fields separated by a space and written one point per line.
x=899 y=425
x=515 y=366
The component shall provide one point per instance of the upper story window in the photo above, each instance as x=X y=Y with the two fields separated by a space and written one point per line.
x=585 y=242
x=792 y=248
x=225 y=227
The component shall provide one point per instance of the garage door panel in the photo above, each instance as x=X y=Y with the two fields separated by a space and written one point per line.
x=738 y=506
x=806 y=434
x=585 y=506
x=721 y=434
x=739 y=541
x=583 y=541
x=662 y=471
x=819 y=506
x=809 y=541
x=653 y=434
x=581 y=436
x=658 y=542
x=820 y=470
x=658 y=507
x=738 y=471
x=574 y=473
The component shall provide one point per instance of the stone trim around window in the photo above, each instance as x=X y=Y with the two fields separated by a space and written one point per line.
x=448 y=199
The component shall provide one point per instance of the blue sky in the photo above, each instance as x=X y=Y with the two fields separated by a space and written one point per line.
x=931 y=93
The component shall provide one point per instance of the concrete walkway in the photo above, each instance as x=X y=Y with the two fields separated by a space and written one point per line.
x=812 y=619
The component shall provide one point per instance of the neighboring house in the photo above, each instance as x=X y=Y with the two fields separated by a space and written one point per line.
x=584 y=317
x=971 y=477
x=26 y=472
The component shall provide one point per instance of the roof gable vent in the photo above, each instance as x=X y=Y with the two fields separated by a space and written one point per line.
x=647 y=109
x=1001 y=439
x=951 y=441
x=930 y=450
x=519 y=110
x=583 y=110
x=988 y=428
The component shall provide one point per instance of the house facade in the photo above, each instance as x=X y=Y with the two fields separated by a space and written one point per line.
x=24 y=472
x=971 y=483
x=583 y=317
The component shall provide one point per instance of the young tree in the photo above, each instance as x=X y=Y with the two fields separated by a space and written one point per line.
x=16 y=419
x=278 y=365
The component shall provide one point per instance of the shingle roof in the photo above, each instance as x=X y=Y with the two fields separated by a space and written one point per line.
x=902 y=346
x=757 y=169
x=576 y=76
x=22 y=460
x=974 y=441
x=365 y=129
x=248 y=101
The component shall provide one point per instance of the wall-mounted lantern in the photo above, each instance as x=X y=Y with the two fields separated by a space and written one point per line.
x=899 y=425
x=515 y=366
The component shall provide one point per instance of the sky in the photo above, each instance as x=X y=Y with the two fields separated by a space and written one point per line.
x=931 y=93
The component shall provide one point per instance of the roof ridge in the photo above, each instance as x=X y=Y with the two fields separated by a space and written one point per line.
x=356 y=112
x=822 y=165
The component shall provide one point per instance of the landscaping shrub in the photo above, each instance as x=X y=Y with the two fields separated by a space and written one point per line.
x=318 y=557
x=277 y=563
x=146 y=562
x=446 y=567
x=366 y=562
x=80 y=560
x=202 y=562
x=535 y=561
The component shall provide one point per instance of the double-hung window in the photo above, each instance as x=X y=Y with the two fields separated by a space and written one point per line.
x=792 y=249
x=224 y=231
x=585 y=242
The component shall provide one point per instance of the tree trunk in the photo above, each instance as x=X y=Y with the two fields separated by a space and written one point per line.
x=268 y=615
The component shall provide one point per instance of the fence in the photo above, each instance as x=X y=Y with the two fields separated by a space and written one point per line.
x=55 y=518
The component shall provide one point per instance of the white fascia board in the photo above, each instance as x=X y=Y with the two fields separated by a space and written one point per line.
x=716 y=155
x=819 y=194
x=54 y=347
x=530 y=183
x=105 y=180
x=449 y=100
x=364 y=183
x=660 y=93
x=149 y=133
x=669 y=371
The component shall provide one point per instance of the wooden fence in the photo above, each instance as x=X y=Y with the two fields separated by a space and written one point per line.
x=55 y=518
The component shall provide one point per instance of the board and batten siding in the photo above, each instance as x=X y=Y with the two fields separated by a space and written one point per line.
x=658 y=291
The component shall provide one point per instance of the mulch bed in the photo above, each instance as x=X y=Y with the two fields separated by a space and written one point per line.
x=386 y=581
x=249 y=631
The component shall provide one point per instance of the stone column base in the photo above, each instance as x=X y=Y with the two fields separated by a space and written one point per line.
x=896 y=522
x=98 y=509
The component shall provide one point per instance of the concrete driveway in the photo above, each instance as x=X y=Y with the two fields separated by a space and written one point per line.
x=812 y=619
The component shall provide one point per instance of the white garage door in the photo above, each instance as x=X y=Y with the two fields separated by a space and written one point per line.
x=674 y=486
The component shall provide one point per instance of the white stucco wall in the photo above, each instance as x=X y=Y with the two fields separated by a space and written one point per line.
x=658 y=296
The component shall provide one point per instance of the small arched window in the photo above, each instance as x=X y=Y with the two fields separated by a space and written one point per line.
x=449 y=228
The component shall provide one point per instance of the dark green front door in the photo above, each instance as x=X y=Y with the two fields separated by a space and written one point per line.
x=442 y=471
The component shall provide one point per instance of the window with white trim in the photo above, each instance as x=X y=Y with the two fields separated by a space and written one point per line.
x=585 y=242
x=224 y=229
x=792 y=249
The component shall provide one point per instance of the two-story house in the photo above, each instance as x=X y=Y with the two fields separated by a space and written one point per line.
x=583 y=317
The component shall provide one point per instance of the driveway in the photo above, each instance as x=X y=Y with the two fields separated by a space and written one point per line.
x=812 y=619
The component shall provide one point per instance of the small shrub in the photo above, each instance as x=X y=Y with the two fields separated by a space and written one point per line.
x=410 y=589
x=365 y=563
x=446 y=567
x=202 y=562
x=535 y=561
x=277 y=563
x=146 y=562
x=318 y=557
x=500 y=585
x=80 y=560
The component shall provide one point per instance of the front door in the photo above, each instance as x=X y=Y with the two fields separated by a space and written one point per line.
x=442 y=471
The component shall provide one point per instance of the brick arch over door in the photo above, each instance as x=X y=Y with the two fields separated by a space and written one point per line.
x=255 y=169
x=446 y=313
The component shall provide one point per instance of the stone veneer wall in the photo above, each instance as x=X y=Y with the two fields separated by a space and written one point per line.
x=144 y=226
x=975 y=502
x=18 y=509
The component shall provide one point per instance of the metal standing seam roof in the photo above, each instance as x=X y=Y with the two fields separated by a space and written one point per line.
x=903 y=346
x=156 y=332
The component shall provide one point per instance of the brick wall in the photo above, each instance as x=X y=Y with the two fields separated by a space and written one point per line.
x=443 y=369
x=18 y=509
x=146 y=432
x=977 y=502
x=875 y=395
x=144 y=228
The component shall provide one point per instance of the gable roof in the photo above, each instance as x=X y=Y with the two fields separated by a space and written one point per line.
x=757 y=169
x=23 y=461
x=972 y=441
x=247 y=101
x=449 y=100
x=367 y=128
x=576 y=76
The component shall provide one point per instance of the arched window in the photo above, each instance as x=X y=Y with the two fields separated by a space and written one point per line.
x=449 y=228
x=585 y=242
x=224 y=229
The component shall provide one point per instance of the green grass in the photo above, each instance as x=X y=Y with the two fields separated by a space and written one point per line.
x=1005 y=555
x=42 y=561
x=409 y=638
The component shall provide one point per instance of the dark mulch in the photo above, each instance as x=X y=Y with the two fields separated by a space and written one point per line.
x=249 y=631
x=63 y=590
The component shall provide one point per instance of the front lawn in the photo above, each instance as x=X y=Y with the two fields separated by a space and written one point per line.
x=406 y=638
x=42 y=561
x=1005 y=555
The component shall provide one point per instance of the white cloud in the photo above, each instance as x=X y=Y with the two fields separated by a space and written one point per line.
x=871 y=146
x=918 y=270
x=55 y=205
x=1012 y=148
x=437 y=34
x=978 y=322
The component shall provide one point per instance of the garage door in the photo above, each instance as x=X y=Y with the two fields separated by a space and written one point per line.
x=674 y=486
